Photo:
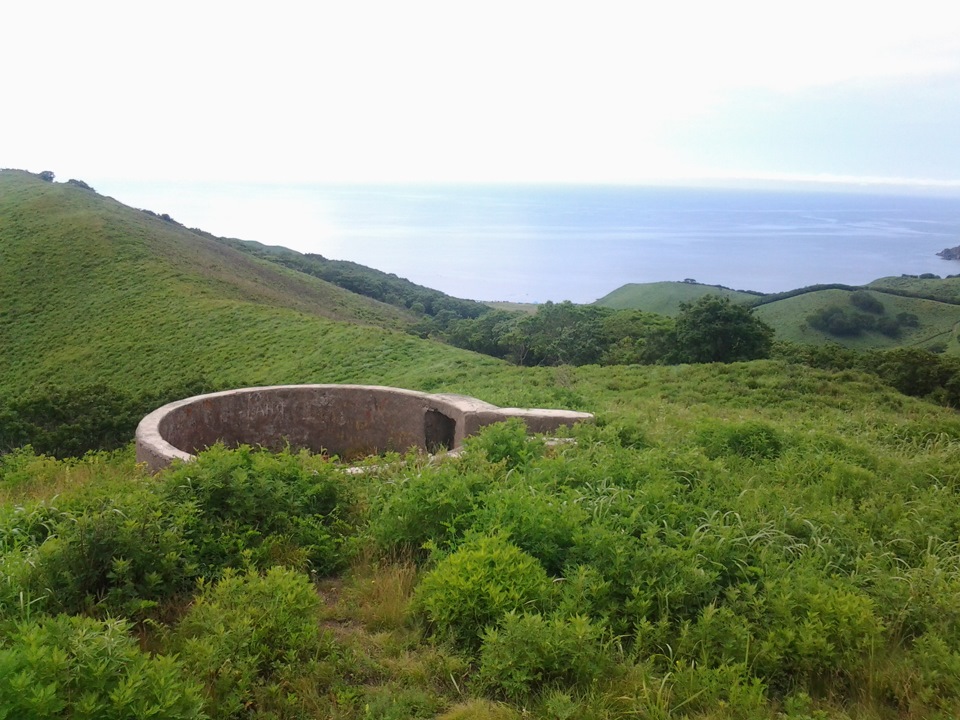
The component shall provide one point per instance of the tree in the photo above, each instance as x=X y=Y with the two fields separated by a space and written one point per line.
x=46 y=175
x=714 y=329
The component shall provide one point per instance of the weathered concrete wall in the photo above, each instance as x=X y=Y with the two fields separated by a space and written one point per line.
x=350 y=421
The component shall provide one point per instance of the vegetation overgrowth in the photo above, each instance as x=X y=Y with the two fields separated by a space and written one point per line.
x=746 y=540
x=775 y=538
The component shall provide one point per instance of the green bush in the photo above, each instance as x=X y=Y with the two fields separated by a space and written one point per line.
x=435 y=504
x=70 y=421
x=527 y=652
x=540 y=522
x=261 y=508
x=753 y=440
x=123 y=555
x=507 y=442
x=863 y=300
x=933 y=677
x=835 y=320
x=76 y=667
x=813 y=630
x=477 y=585
x=249 y=637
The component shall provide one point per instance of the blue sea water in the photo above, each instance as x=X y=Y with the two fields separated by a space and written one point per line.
x=538 y=243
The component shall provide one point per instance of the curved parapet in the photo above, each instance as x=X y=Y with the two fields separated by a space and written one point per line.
x=349 y=421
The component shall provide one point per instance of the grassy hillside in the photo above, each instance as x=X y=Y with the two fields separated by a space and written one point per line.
x=665 y=298
x=936 y=321
x=932 y=301
x=755 y=540
x=91 y=290
x=943 y=289
x=365 y=281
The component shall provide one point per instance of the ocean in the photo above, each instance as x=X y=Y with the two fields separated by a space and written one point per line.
x=527 y=243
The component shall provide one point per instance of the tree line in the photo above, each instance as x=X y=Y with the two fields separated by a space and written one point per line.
x=712 y=329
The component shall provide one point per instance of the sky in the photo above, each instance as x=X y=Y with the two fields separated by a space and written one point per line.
x=844 y=91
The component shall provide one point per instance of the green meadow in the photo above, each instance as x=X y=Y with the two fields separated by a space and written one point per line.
x=760 y=539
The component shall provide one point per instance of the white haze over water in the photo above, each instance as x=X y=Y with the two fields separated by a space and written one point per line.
x=533 y=243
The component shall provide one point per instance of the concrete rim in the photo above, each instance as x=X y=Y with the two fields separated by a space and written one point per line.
x=380 y=417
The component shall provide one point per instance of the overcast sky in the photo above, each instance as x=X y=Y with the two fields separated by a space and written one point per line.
x=284 y=92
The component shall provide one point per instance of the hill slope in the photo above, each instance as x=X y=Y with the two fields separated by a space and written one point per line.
x=665 y=298
x=94 y=291
x=933 y=325
x=932 y=302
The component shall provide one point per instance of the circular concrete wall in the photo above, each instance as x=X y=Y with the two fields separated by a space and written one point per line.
x=349 y=421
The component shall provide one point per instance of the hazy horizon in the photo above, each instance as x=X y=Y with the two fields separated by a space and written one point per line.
x=534 y=242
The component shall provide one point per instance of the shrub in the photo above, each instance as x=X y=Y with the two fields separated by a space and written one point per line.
x=507 y=442
x=933 y=678
x=715 y=329
x=248 y=634
x=888 y=326
x=814 y=630
x=542 y=523
x=753 y=440
x=435 y=504
x=908 y=319
x=528 y=651
x=70 y=421
x=259 y=507
x=123 y=554
x=477 y=585
x=81 y=668
x=80 y=184
x=834 y=320
x=917 y=372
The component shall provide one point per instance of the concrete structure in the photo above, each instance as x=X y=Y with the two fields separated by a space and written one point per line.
x=350 y=421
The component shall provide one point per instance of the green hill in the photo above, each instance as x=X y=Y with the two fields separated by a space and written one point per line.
x=933 y=288
x=932 y=324
x=665 y=298
x=94 y=291
x=365 y=281
x=930 y=305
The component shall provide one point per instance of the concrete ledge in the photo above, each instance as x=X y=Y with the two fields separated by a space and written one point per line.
x=350 y=421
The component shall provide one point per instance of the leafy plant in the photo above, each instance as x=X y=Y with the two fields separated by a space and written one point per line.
x=507 y=442
x=122 y=555
x=259 y=507
x=249 y=635
x=78 y=667
x=753 y=440
x=528 y=651
x=477 y=585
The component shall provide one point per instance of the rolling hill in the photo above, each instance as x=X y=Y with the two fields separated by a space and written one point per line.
x=94 y=291
x=665 y=298
x=932 y=301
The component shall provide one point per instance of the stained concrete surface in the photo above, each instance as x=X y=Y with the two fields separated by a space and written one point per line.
x=350 y=421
